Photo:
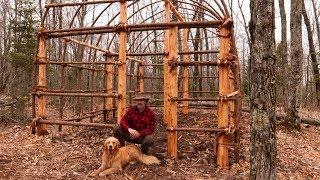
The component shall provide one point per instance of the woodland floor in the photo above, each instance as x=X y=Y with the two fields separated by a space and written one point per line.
x=76 y=151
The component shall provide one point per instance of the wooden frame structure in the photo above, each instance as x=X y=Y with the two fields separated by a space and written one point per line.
x=114 y=68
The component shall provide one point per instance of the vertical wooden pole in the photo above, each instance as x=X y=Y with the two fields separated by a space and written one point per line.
x=79 y=87
x=34 y=83
x=91 y=88
x=109 y=87
x=105 y=112
x=131 y=72
x=185 y=73
x=33 y=101
x=237 y=86
x=62 y=98
x=231 y=103
x=140 y=78
x=62 y=80
x=42 y=83
x=222 y=140
x=166 y=68
x=122 y=61
x=237 y=109
x=173 y=92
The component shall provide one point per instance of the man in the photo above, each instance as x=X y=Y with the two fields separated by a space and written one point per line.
x=137 y=125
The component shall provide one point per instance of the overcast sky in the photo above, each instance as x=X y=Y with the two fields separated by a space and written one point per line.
x=246 y=9
x=278 y=19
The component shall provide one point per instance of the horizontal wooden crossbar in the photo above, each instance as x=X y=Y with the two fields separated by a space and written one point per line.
x=40 y=93
x=90 y=115
x=76 y=123
x=200 y=63
x=160 y=26
x=213 y=130
x=159 y=92
x=74 y=91
x=131 y=27
x=202 y=99
x=189 y=77
x=74 y=62
x=180 y=53
x=148 y=54
x=198 y=52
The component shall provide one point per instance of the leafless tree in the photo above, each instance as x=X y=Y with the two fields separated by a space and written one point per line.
x=282 y=65
x=312 y=52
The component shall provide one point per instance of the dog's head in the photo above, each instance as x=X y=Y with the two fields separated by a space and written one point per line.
x=111 y=144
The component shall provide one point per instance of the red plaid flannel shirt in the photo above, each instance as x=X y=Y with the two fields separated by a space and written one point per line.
x=143 y=122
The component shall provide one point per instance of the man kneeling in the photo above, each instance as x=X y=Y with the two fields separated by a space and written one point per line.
x=137 y=125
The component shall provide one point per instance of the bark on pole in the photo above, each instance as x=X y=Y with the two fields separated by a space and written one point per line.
x=41 y=129
x=262 y=91
x=109 y=87
x=222 y=140
x=173 y=93
x=166 y=68
x=122 y=61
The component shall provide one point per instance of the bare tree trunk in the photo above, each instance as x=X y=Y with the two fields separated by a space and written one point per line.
x=295 y=75
x=40 y=8
x=312 y=53
x=316 y=20
x=240 y=5
x=262 y=90
x=283 y=64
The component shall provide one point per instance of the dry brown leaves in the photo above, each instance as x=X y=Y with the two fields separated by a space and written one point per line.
x=75 y=152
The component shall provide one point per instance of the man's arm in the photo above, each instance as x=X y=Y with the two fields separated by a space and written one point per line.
x=124 y=123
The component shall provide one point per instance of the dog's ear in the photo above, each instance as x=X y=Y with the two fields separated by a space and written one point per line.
x=118 y=144
x=105 y=146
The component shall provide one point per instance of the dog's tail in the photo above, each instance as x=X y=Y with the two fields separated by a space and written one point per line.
x=149 y=159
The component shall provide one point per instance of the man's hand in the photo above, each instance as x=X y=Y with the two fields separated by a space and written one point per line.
x=133 y=133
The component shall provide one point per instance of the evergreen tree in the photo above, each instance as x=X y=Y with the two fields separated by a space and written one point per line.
x=23 y=48
x=22 y=52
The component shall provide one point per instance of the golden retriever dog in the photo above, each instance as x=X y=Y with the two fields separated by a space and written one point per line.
x=114 y=157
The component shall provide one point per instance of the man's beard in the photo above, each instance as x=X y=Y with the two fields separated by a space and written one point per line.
x=141 y=107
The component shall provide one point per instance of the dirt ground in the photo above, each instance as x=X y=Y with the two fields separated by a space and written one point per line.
x=76 y=151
